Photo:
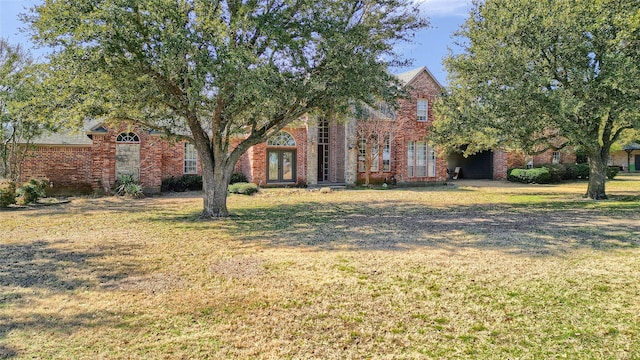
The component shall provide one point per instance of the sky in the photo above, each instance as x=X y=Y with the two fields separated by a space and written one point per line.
x=428 y=49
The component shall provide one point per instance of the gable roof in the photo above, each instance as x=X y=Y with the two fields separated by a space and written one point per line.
x=408 y=76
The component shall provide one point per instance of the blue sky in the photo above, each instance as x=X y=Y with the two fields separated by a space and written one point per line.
x=428 y=49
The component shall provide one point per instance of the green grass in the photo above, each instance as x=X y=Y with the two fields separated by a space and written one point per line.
x=494 y=271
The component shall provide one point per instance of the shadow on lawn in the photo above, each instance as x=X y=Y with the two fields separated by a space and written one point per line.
x=46 y=269
x=544 y=229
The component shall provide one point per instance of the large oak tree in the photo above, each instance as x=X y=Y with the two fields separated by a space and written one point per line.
x=210 y=70
x=536 y=74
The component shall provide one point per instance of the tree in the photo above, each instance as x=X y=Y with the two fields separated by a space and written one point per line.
x=542 y=73
x=375 y=129
x=209 y=71
x=17 y=127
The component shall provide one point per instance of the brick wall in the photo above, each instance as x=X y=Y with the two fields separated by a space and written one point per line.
x=254 y=161
x=64 y=166
x=408 y=129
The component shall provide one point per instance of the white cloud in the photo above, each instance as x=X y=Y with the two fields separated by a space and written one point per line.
x=445 y=7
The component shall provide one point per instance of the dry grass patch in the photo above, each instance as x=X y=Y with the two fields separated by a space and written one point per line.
x=475 y=270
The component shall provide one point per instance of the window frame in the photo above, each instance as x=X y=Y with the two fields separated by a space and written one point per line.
x=189 y=164
x=555 y=157
x=421 y=159
x=422 y=110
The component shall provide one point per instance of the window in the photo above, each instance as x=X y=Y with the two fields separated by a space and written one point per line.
x=362 y=153
x=421 y=159
x=128 y=137
x=555 y=157
x=432 y=161
x=375 y=154
x=386 y=154
x=423 y=109
x=281 y=139
x=190 y=159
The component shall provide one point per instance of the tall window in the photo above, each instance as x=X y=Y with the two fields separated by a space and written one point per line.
x=375 y=154
x=386 y=154
x=190 y=159
x=432 y=161
x=362 y=153
x=555 y=157
x=423 y=109
x=421 y=159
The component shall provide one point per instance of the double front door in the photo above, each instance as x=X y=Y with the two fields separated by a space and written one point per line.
x=281 y=166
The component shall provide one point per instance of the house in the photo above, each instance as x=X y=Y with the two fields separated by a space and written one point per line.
x=628 y=158
x=309 y=152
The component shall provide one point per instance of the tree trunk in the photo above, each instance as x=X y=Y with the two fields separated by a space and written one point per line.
x=597 y=176
x=215 y=185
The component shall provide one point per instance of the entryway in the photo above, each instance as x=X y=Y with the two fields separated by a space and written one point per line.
x=281 y=166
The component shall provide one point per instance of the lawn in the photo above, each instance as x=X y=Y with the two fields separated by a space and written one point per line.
x=477 y=270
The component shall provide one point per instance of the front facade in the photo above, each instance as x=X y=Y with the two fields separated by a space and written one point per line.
x=310 y=152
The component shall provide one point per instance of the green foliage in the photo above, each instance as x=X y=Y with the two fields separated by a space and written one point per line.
x=243 y=188
x=33 y=190
x=530 y=176
x=540 y=74
x=129 y=187
x=191 y=68
x=7 y=193
x=182 y=183
x=18 y=125
x=612 y=172
x=557 y=172
x=238 y=177
x=578 y=171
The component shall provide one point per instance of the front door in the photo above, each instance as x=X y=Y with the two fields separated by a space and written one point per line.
x=281 y=166
x=637 y=162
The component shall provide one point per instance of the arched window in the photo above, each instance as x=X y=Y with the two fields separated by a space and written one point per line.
x=128 y=138
x=282 y=139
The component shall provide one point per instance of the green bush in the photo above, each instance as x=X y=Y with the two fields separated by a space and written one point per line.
x=127 y=186
x=183 y=183
x=33 y=190
x=7 y=193
x=238 y=178
x=529 y=176
x=612 y=172
x=578 y=171
x=192 y=182
x=243 y=188
x=558 y=172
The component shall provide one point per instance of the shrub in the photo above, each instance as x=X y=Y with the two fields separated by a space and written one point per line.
x=192 y=182
x=127 y=186
x=557 y=172
x=243 y=188
x=168 y=184
x=612 y=172
x=7 y=193
x=183 y=183
x=578 y=171
x=33 y=190
x=528 y=176
x=238 y=178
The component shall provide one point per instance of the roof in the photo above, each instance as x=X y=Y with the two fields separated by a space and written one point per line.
x=408 y=76
x=66 y=136
x=631 y=146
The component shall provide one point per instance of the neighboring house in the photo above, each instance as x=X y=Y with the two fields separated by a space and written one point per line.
x=310 y=152
x=628 y=159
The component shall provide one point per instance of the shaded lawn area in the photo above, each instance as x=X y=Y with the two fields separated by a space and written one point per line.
x=486 y=270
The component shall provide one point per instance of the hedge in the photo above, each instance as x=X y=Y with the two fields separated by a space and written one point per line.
x=529 y=176
x=243 y=188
